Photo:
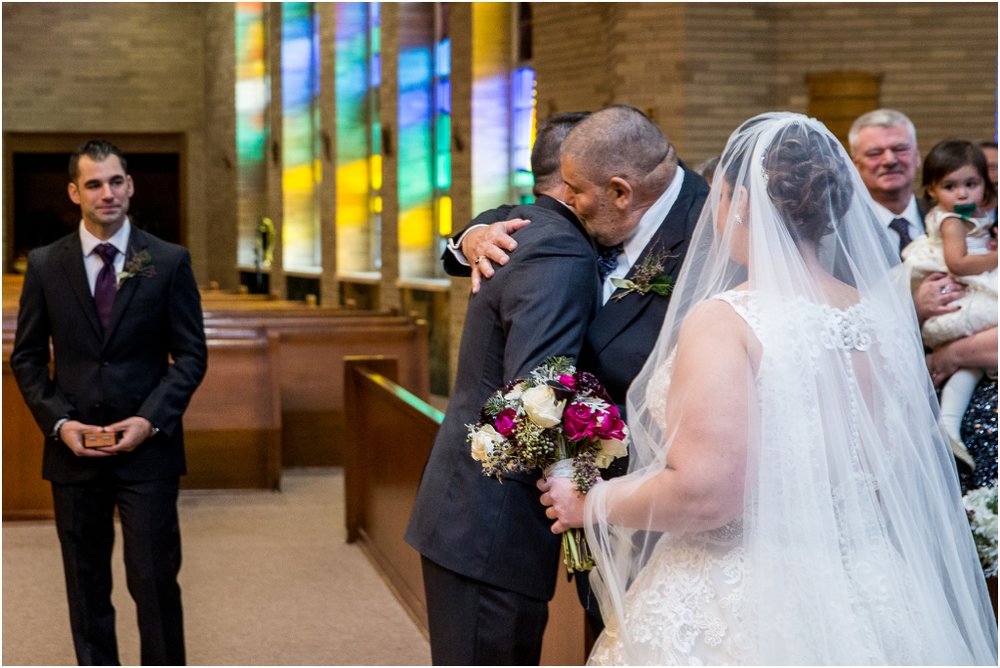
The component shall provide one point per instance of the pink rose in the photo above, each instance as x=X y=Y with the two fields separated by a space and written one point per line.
x=504 y=422
x=578 y=422
x=568 y=381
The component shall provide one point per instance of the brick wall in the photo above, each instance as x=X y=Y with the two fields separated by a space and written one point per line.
x=83 y=66
x=698 y=68
x=938 y=61
x=702 y=68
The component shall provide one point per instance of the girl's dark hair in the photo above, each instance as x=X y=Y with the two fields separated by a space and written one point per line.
x=953 y=154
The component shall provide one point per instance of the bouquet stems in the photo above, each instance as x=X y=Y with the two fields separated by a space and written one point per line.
x=576 y=552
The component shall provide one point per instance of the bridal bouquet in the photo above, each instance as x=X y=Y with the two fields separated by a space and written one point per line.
x=559 y=420
x=981 y=506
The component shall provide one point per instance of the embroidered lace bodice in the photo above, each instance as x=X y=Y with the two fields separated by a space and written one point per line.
x=689 y=605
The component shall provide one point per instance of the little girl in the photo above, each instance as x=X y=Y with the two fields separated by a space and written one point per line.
x=958 y=241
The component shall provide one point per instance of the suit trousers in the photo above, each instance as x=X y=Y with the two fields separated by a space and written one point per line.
x=84 y=515
x=472 y=623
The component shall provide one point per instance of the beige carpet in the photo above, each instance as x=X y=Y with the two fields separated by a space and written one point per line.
x=267 y=579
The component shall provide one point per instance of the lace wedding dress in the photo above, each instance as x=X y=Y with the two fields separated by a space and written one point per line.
x=845 y=540
x=687 y=605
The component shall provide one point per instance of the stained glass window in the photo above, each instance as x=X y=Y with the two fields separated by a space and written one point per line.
x=359 y=136
x=252 y=98
x=301 y=168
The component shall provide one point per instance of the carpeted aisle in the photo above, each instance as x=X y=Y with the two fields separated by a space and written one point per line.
x=267 y=580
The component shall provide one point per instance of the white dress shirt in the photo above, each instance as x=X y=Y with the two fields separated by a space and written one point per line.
x=636 y=242
x=92 y=261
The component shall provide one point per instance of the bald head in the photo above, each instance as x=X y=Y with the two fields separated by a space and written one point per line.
x=615 y=163
x=621 y=141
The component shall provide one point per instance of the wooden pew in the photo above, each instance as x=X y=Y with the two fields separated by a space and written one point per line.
x=25 y=495
x=390 y=435
x=311 y=346
x=12 y=284
x=291 y=388
x=232 y=428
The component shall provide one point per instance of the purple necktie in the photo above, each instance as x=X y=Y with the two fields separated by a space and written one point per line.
x=901 y=227
x=106 y=285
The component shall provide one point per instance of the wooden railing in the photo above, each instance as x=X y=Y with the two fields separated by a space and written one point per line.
x=390 y=434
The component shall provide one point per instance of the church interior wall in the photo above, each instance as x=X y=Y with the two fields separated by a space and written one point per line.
x=698 y=69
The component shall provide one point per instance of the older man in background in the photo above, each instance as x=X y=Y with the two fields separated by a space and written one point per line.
x=883 y=145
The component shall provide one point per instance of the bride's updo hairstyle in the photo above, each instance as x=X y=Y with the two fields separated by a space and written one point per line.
x=808 y=181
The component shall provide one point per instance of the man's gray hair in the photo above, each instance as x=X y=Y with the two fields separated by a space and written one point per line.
x=882 y=118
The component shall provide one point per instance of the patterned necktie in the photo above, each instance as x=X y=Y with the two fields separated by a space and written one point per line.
x=607 y=259
x=901 y=227
x=106 y=285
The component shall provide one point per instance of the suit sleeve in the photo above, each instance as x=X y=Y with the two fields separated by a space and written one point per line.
x=452 y=266
x=31 y=356
x=166 y=404
x=548 y=302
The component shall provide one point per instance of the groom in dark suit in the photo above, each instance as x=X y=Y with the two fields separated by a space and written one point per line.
x=122 y=313
x=489 y=559
x=628 y=187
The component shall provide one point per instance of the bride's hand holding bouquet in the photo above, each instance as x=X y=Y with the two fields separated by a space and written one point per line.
x=563 y=503
x=560 y=421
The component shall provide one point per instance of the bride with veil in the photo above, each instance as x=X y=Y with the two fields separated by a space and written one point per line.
x=790 y=496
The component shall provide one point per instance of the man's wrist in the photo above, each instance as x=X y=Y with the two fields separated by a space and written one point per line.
x=455 y=246
x=58 y=426
x=153 y=429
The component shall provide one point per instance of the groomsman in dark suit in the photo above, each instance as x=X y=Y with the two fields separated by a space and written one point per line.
x=628 y=186
x=489 y=558
x=122 y=313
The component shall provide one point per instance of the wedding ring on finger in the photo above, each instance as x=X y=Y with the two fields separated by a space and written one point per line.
x=480 y=258
x=945 y=289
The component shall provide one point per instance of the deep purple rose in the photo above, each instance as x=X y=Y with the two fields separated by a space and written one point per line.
x=587 y=384
x=568 y=381
x=578 y=422
x=504 y=422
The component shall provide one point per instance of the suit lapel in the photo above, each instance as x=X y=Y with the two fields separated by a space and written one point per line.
x=669 y=240
x=76 y=274
x=136 y=244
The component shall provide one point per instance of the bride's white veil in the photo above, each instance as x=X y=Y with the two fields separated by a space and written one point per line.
x=855 y=545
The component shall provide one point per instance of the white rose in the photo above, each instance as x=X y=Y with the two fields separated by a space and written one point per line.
x=485 y=442
x=541 y=406
x=611 y=449
x=515 y=392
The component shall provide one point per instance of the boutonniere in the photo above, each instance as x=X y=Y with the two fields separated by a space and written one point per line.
x=140 y=264
x=647 y=277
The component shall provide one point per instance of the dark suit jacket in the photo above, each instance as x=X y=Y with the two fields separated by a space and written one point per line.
x=536 y=306
x=622 y=335
x=148 y=364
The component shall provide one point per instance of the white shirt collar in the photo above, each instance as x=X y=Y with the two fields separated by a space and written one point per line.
x=911 y=213
x=119 y=240
x=650 y=221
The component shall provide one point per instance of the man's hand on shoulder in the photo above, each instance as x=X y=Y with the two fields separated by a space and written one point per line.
x=484 y=245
